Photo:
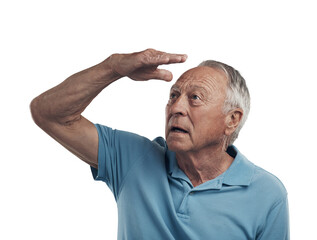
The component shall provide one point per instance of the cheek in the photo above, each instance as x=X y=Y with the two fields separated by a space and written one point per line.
x=212 y=125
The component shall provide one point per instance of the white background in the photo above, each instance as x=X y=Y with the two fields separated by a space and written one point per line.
x=47 y=193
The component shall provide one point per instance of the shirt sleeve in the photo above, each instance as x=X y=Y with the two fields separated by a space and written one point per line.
x=118 y=151
x=277 y=223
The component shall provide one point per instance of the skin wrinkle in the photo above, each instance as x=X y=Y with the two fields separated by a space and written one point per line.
x=58 y=111
x=194 y=89
x=199 y=152
x=205 y=84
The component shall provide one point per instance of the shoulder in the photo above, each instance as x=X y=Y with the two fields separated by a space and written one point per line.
x=128 y=141
x=268 y=183
x=260 y=181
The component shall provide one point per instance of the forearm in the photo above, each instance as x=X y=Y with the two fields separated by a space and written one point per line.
x=64 y=103
x=58 y=110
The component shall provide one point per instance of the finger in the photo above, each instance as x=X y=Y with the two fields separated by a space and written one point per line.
x=159 y=74
x=176 y=58
x=162 y=74
x=152 y=57
x=167 y=58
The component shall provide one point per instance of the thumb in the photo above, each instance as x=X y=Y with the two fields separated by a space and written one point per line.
x=162 y=74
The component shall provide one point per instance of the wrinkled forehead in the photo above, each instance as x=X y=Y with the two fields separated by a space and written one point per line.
x=203 y=77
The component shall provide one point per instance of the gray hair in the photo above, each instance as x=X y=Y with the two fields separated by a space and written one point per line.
x=237 y=94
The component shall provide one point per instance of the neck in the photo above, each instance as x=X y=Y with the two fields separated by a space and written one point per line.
x=204 y=165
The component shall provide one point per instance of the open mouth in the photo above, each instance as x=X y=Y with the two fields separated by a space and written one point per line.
x=179 y=130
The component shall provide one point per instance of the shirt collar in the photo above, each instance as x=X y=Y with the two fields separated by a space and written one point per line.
x=240 y=172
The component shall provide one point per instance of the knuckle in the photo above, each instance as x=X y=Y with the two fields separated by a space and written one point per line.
x=150 y=56
x=150 y=50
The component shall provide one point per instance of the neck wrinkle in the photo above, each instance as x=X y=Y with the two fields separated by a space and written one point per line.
x=202 y=167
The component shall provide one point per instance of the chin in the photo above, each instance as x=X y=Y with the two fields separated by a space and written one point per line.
x=176 y=146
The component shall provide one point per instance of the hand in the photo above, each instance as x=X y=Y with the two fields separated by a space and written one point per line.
x=142 y=66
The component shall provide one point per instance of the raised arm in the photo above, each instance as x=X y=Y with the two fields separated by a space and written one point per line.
x=58 y=110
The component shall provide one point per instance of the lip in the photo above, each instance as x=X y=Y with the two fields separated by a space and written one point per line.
x=178 y=129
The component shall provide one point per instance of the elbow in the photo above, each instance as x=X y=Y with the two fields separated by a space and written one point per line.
x=35 y=111
x=41 y=115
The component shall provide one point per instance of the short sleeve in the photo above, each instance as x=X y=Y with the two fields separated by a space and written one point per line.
x=118 y=152
x=277 y=223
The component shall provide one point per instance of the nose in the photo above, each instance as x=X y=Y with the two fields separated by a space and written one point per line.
x=178 y=106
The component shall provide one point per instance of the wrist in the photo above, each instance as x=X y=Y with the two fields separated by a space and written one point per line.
x=108 y=66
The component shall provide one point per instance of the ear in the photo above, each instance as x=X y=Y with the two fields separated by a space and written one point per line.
x=233 y=119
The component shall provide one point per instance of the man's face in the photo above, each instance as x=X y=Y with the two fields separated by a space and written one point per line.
x=194 y=112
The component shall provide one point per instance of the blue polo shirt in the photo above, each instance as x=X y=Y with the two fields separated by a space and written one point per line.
x=156 y=200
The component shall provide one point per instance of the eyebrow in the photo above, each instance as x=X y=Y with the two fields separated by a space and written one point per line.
x=175 y=87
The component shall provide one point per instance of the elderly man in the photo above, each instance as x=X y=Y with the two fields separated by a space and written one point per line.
x=193 y=185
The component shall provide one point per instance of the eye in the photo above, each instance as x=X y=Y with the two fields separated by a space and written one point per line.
x=173 y=95
x=195 y=97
